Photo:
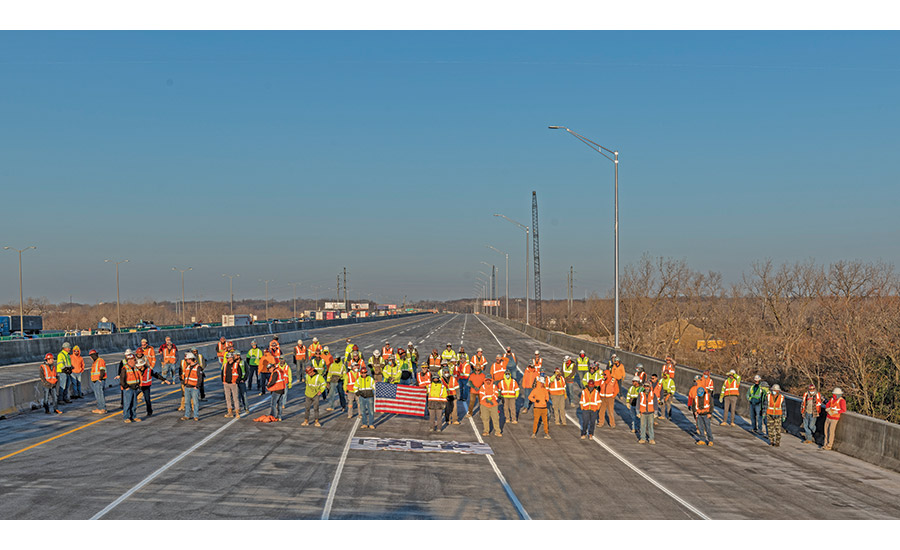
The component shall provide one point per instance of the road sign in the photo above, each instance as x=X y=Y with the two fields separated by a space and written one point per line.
x=492 y=303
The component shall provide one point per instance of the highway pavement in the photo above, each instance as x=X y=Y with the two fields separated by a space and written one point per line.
x=82 y=466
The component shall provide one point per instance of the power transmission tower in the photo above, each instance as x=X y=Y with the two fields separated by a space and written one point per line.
x=494 y=286
x=537 y=260
x=346 y=302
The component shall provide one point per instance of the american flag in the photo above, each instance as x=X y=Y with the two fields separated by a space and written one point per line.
x=391 y=398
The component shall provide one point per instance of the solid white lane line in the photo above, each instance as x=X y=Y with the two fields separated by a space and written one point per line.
x=337 y=475
x=621 y=459
x=169 y=464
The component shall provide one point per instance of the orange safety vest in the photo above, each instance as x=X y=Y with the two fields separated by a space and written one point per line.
x=434 y=360
x=386 y=352
x=657 y=390
x=609 y=388
x=775 y=406
x=486 y=394
x=49 y=373
x=834 y=406
x=646 y=404
x=508 y=388
x=220 y=349
x=423 y=379
x=557 y=386
x=276 y=348
x=314 y=348
x=539 y=362
x=300 y=352
x=279 y=380
x=132 y=376
x=732 y=387
x=147 y=376
x=190 y=375
x=707 y=382
x=452 y=385
x=96 y=369
x=818 y=403
x=497 y=371
x=150 y=356
x=618 y=371
x=352 y=377
x=464 y=370
x=668 y=369
x=169 y=355
x=479 y=360
x=233 y=369
x=702 y=408
x=590 y=399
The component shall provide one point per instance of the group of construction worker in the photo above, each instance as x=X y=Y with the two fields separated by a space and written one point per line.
x=456 y=385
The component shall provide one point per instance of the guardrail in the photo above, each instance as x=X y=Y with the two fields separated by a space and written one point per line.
x=870 y=439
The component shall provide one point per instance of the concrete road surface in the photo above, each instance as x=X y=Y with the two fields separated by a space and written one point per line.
x=81 y=466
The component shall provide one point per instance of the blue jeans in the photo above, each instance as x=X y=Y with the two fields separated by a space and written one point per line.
x=647 y=426
x=277 y=408
x=129 y=405
x=263 y=382
x=704 y=426
x=335 y=393
x=367 y=410
x=756 y=417
x=61 y=386
x=526 y=393
x=50 y=398
x=75 y=381
x=98 y=393
x=242 y=395
x=169 y=371
x=635 y=421
x=191 y=401
x=809 y=425
x=588 y=422
x=572 y=392
x=252 y=372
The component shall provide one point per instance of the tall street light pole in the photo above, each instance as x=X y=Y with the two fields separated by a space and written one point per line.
x=615 y=159
x=527 y=299
x=21 y=299
x=295 y=298
x=231 y=289
x=507 y=276
x=118 y=311
x=182 y=290
x=267 y=297
x=493 y=282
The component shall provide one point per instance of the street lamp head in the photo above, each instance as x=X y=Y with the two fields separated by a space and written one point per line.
x=556 y=127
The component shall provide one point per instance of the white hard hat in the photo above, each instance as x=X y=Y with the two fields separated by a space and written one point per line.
x=731 y=372
x=536 y=352
x=757 y=378
x=838 y=391
x=377 y=353
x=409 y=343
x=776 y=387
x=479 y=349
x=189 y=355
x=636 y=379
x=567 y=358
x=299 y=341
x=581 y=352
x=128 y=352
x=315 y=339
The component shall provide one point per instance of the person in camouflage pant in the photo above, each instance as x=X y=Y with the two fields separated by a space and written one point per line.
x=775 y=414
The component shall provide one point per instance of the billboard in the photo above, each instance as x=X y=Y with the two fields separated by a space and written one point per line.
x=334 y=305
x=492 y=303
x=357 y=307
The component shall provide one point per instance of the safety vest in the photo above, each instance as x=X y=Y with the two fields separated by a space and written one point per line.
x=348 y=349
x=498 y=370
x=732 y=387
x=646 y=402
x=835 y=407
x=538 y=362
x=77 y=363
x=667 y=370
x=190 y=375
x=132 y=376
x=150 y=356
x=437 y=392
x=423 y=379
x=657 y=390
x=232 y=373
x=314 y=348
x=610 y=388
x=315 y=385
x=279 y=381
x=300 y=352
x=618 y=371
x=170 y=355
x=49 y=373
x=464 y=370
x=462 y=357
x=63 y=361
x=220 y=349
x=356 y=363
x=775 y=405
x=365 y=383
x=319 y=364
x=449 y=355
x=404 y=364
x=568 y=367
x=98 y=370
x=434 y=360
x=701 y=404
x=557 y=386
x=479 y=360
x=147 y=376
x=817 y=397
x=509 y=388
x=391 y=373
x=275 y=347
x=582 y=362
x=350 y=385
x=452 y=385
x=590 y=399
x=486 y=394
x=335 y=369
x=669 y=385
x=386 y=352
x=707 y=382
x=596 y=377
x=253 y=356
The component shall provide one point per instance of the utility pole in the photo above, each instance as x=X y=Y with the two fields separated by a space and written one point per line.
x=267 y=297
x=118 y=311
x=231 y=289
x=338 y=299
x=295 y=298
x=346 y=302
x=21 y=300
x=537 y=260
x=182 y=290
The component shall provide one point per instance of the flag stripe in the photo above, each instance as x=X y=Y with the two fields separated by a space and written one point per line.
x=390 y=398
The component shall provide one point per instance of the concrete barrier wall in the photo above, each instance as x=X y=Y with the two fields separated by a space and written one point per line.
x=25 y=396
x=870 y=439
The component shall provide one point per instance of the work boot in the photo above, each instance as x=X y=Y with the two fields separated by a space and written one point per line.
x=584 y=437
x=652 y=442
x=237 y=414
x=196 y=420
x=533 y=436
x=488 y=433
x=498 y=434
x=701 y=442
x=305 y=423
x=710 y=444
x=228 y=414
x=183 y=418
x=317 y=425
x=723 y=423
x=137 y=419
x=180 y=408
x=128 y=421
x=641 y=441
x=547 y=436
x=57 y=411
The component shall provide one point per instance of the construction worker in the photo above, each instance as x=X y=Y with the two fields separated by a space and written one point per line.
x=98 y=380
x=202 y=362
x=731 y=390
x=350 y=379
x=149 y=353
x=594 y=374
x=692 y=395
x=376 y=366
x=327 y=357
x=315 y=385
x=583 y=363
x=221 y=348
x=540 y=397
x=449 y=355
x=275 y=346
x=668 y=394
x=556 y=387
x=348 y=349
x=387 y=350
x=451 y=382
x=242 y=385
x=498 y=369
x=407 y=370
x=300 y=358
x=463 y=372
x=590 y=404
x=707 y=381
x=231 y=375
x=356 y=360
x=412 y=354
x=317 y=362
x=77 y=371
x=703 y=409
x=335 y=385
x=756 y=396
x=437 y=401
x=487 y=394
x=315 y=348
x=266 y=365
x=510 y=361
x=569 y=373
x=835 y=407
x=668 y=368
x=810 y=408
x=529 y=376
x=49 y=381
x=656 y=387
x=775 y=414
x=365 y=390
x=130 y=382
x=277 y=385
x=479 y=359
x=147 y=376
x=509 y=392
x=254 y=356
x=201 y=365
x=434 y=360
x=169 y=354
x=191 y=374
x=646 y=408
x=617 y=369
x=538 y=360
x=608 y=390
x=392 y=373
x=64 y=373
x=476 y=381
x=634 y=393
x=461 y=356
x=423 y=377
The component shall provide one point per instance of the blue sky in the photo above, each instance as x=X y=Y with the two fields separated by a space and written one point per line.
x=289 y=155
